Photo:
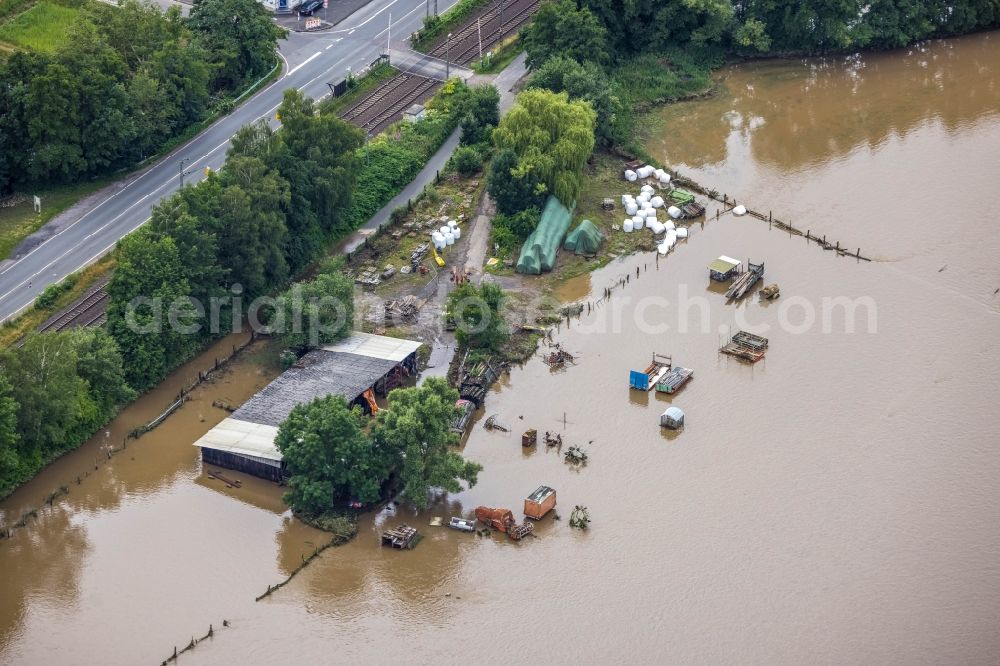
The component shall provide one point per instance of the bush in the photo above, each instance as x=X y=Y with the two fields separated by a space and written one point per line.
x=467 y=161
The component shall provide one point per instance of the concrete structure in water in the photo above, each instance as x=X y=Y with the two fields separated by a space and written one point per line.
x=351 y=367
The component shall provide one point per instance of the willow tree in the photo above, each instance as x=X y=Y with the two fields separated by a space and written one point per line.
x=552 y=138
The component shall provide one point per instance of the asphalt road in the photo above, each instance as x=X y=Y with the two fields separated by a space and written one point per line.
x=310 y=60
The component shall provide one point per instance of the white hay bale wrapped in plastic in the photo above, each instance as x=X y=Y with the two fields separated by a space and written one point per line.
x=627 y=226
x=665 y=178
x=657 y=174
x=645 y=171
x=740 y=210
x=626 y=198
x=669 y=224
x=631 y=176
x=657 y=202
x=642 y=198
x=662 y=248
x=444 y=230
x=638 y=225
x=438 y=239
x=656 y=226
x=674 y=212
x=457 y=232
x=682 y=232
x=631 y=208
x=636 y=219
x=647 y=189
x=449 y=238
x=650 y=219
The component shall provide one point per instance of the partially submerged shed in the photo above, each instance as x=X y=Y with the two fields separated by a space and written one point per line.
x=351 y=367
x=540 y=502
x=723 y=268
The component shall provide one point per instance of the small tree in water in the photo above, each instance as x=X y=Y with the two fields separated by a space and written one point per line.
x=331 y=459
x=417 y=429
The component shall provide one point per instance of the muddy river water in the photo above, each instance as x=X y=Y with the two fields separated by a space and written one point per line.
x=835 y=503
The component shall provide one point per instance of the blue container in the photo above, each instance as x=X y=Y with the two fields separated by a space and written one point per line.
x=638 y=380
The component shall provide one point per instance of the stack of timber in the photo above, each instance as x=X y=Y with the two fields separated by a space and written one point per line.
x=400 y=537
x=477 y=381
x=746 y=346
x=746 y=281
x=674 y=379
x=693 y=210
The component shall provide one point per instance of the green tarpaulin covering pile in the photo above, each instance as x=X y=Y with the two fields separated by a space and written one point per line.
x=539 y=251
x=585 y=239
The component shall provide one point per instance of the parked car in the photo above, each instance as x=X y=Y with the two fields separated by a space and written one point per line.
x=309 y=6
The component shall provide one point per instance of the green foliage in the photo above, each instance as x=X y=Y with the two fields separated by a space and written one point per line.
x=586 y=82
x=416 y=430
x=148 y=288
x=561 y=29
x=43 y=27
x=520 y=224
x=49 y=295
x=513 y=193
x=552 y=138
x=311 y=314
x=329 y=457
x=59 y=388
x=240 y=35
x=9 y=462
x=480 y=114
x=477 y=311
x=467 y=161
x=124 y=83
x=438 y=26
x=392 y=160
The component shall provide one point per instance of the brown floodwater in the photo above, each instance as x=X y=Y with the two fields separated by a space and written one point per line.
x=835 y=503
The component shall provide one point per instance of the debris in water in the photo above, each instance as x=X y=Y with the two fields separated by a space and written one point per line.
x=580 y=518
x=575 y=455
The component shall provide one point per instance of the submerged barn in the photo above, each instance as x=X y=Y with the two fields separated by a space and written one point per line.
x=358 y=368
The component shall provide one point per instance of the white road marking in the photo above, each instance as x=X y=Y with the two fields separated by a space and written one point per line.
x=303 y=63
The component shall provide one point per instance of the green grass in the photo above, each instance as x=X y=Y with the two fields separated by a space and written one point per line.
x=43 y=27
x=502 y=56
x=438 y=26
x=362 y=86
x=19 y=221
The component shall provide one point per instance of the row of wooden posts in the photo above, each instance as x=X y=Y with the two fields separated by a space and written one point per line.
x=728 y=204
x=7 y=532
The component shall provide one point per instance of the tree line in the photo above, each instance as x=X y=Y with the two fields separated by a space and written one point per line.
x=607 y=30
x=127 y=80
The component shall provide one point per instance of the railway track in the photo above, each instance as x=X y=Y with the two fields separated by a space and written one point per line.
x=386 y=105
x=465 y=43
x=89 y=310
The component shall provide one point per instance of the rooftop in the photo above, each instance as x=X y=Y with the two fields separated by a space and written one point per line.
x=375 y=346
x=240 y=437
x=318 y=374
x=724 y=264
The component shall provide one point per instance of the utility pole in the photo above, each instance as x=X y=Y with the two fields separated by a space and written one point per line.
x=388 y=38
x=500 y=29
x=435 y=7
x=479 y=29
x=428 y=14
x=447 y=60
x=181 y=174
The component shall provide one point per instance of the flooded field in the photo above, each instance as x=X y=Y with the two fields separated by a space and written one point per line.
x=835 y=503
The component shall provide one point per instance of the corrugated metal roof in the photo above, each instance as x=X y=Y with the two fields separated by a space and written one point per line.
x=375 y=346
x=724 y=264
x=316 y=375
x=243 y=438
